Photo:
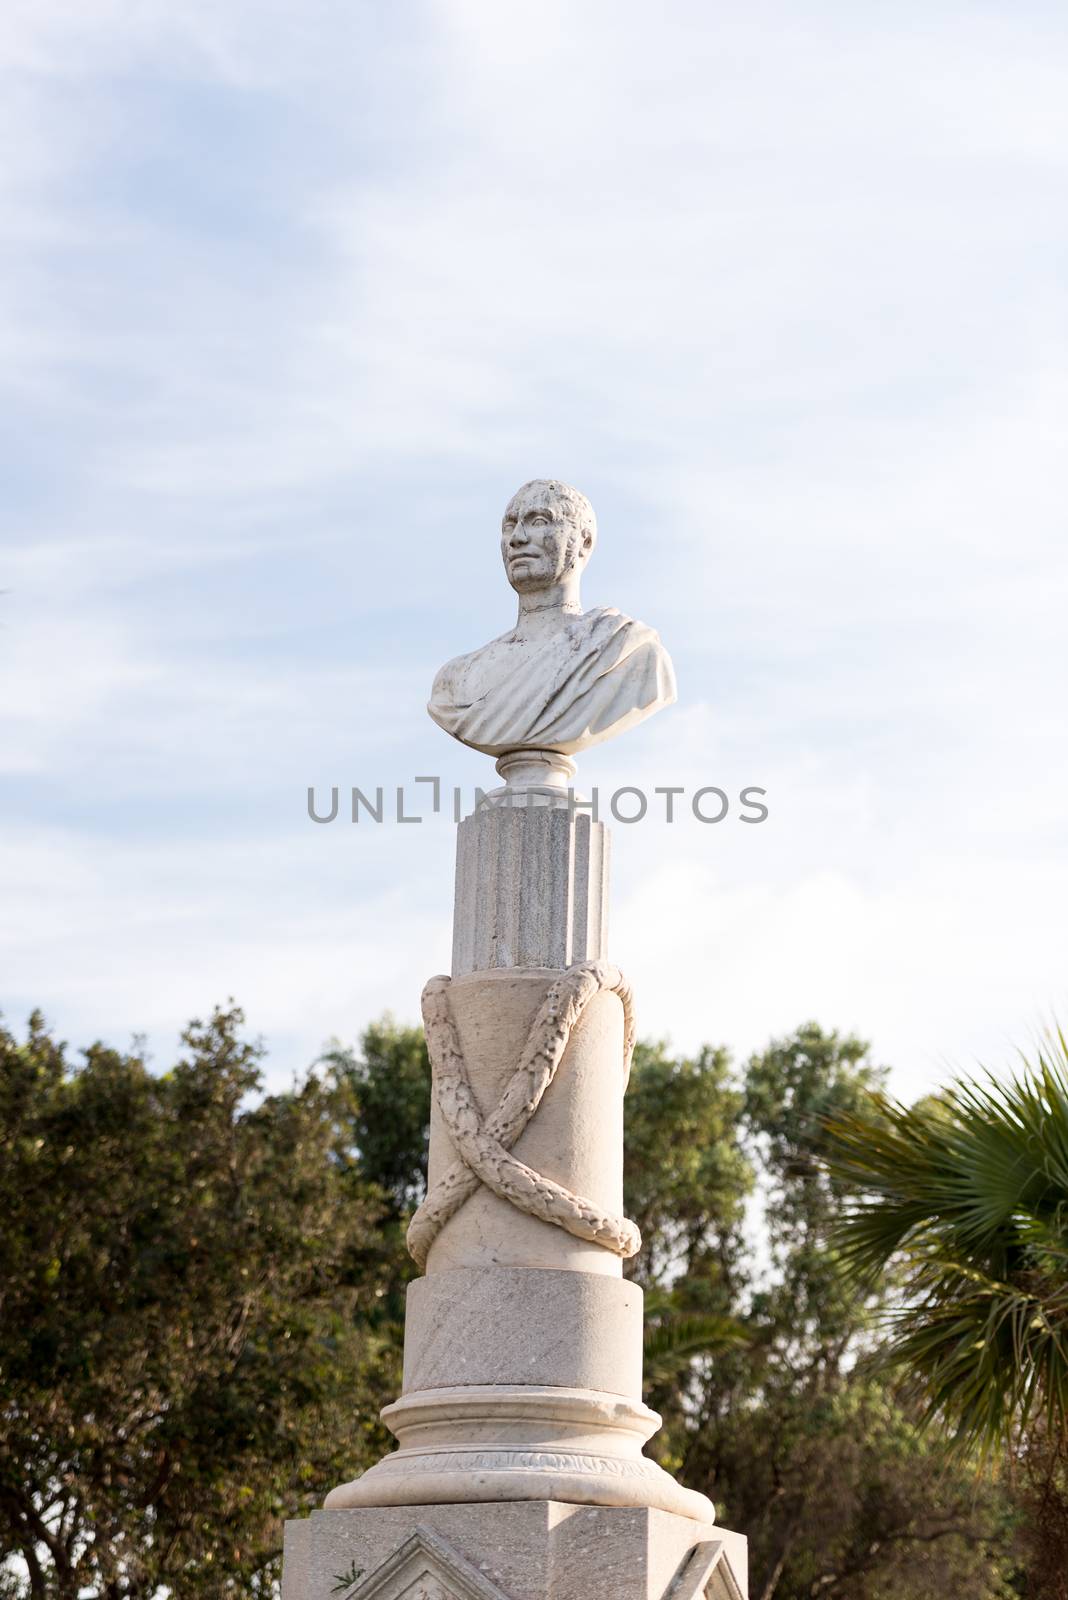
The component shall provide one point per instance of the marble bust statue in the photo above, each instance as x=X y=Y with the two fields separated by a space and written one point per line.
x=562 y=679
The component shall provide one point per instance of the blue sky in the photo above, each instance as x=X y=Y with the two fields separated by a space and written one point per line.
x=294 y=296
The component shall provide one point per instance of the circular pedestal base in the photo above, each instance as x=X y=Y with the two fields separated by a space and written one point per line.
x=521 y=1442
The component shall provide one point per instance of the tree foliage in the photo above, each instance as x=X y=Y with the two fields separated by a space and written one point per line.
x=185 y=1282
x=201 y=1308
x=817 y=1463
x=969 y=1190
x=388 y=1083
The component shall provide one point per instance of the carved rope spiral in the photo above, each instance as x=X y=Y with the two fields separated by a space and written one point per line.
x=484 y=1147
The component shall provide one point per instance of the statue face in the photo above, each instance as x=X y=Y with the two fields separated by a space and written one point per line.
x=541 y=542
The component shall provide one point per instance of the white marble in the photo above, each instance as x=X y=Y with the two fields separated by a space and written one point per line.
x=562 y=679
x=531 y=888
x=509 y=1325
x=520 y=1442
x=513 y=1550
x=519 y=1473
x=575 y=1137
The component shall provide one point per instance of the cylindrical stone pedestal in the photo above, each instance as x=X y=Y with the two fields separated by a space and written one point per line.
x=523 y=1343
x=575 y=1137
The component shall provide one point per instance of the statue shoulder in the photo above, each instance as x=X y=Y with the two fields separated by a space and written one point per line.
x=634 y=650
x=449 y=673
x=448 y=678
x=606 y=622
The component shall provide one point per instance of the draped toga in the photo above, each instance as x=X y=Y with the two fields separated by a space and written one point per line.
x=599 y=673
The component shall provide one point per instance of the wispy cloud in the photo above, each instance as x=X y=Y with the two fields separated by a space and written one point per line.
x=293 y=297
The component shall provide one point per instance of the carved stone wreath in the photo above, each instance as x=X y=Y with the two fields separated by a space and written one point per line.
x=484 y=1146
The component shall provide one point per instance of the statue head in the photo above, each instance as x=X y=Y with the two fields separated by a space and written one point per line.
x=547 y=534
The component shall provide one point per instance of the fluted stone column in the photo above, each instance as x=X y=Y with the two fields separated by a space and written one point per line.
x=531 y=888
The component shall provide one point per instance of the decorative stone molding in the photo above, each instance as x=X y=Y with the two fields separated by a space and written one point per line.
x=502 y=1442
x=525 y=1549
x=484 y=1145
x=425 y=1567
x=706 y=1575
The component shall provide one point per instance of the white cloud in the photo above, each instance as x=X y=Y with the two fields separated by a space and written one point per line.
x=294 y=295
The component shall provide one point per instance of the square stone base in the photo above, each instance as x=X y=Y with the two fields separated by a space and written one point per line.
x=517 y=1550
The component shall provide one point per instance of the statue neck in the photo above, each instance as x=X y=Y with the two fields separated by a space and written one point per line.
x=546 y=610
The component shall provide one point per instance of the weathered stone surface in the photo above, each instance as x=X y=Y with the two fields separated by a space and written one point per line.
x=520 y=1442
x=577 y=1330
x=576 y=1137
x=531 y=888
x=486 y=1143
x=539 y=1438
x=524 y=1550
x=425 y=1567
x=562 y=679
x=519 y=1473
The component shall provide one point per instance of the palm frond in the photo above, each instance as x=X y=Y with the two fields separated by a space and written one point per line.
x=969 y=1191
x=675 y=1337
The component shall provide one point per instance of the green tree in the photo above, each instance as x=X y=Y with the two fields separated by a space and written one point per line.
x=1040 y=1462
x=387 y=1076
x=202 y=1296
x=969 y=1191
x=384 y=1086
x=820 y=1464
x=186 y=1349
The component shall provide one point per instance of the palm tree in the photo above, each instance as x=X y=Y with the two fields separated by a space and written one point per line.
x=674 y=1335
x=968 y=1193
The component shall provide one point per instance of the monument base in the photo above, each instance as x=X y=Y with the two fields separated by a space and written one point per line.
x=522 y=1550
x=521 y=1442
